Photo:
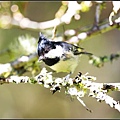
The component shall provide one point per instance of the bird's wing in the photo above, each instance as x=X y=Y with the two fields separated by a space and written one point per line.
x=77 y=50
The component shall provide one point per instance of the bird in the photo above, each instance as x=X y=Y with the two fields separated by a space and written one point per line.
x=60 y=56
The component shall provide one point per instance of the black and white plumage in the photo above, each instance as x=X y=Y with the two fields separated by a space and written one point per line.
x=59 y=56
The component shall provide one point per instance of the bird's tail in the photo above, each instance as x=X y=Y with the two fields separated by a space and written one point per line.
x=87 y=53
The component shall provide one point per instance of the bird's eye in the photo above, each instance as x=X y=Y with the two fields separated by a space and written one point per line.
x=46 y=51
x=70 y=48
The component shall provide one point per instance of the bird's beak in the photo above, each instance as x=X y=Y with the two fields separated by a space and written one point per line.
x=40 y=58
x=84 y=52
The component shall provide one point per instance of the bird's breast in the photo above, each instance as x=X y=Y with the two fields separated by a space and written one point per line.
x=51 y=61
x=68 y=65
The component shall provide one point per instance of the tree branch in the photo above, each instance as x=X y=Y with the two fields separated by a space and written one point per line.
x=76 y=87
x=18 y=63
x=18 y=20
x=103 y=27
x=23 y=60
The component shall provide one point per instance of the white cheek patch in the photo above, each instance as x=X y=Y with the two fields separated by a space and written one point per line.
x=55 y=52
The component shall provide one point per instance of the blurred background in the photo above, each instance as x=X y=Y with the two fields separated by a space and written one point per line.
x=34 y=101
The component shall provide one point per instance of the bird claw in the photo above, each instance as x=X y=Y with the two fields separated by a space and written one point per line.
x=66 y=78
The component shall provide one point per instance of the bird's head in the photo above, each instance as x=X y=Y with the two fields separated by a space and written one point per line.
x=44 y=46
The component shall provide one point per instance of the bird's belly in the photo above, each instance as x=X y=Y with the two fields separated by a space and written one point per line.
x=66 y=65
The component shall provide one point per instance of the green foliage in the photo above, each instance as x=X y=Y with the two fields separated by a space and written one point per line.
x=23 y=45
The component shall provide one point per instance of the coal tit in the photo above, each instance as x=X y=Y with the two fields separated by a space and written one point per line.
x=58 y=55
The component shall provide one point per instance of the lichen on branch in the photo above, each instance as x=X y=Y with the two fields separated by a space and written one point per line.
x=77 y=87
